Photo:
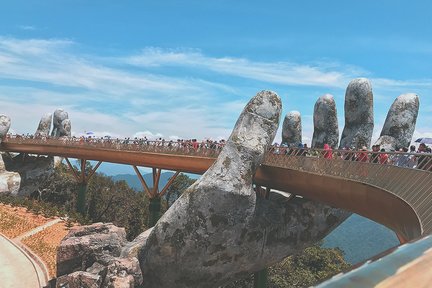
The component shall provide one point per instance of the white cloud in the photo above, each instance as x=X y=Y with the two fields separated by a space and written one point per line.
x=273 y=72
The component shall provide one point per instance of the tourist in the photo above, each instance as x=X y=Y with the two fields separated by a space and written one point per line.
x=383 y=157
x=328 y=153
x=362 y=156
x=375 y=154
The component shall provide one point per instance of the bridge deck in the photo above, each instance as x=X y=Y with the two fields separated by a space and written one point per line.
x=397 y=197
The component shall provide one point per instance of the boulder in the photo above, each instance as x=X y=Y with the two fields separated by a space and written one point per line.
x=10 y=182
x=401 y=121
x=292 y=129
x=44 y=126
x=33 y=171
x=92 y=253
x=5 y=123
x=79 y=279
x=84 y=245
x=326 y=129
x=59 y=116
x=359 y=120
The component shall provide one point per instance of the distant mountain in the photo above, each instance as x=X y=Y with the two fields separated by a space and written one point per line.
x=133 y=181
x=360 y=239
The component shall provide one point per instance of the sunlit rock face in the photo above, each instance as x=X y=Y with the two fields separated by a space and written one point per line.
x=59 y=116
x=359 y=119
x=89 y=256
x=326 y=130
x=44 y=126
x=400 y=122
x=5 y=123
x=292 y=129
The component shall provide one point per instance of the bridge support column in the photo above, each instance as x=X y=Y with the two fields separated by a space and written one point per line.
x=153 y=193
x=81 y=198
x=82 y=179
x=154 y=211
x=261 y=277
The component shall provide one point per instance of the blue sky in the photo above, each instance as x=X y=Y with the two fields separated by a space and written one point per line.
x=186 y=68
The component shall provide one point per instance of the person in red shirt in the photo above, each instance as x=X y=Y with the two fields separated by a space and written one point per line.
x=383 y=157
x=328 y=153
x=362 y=156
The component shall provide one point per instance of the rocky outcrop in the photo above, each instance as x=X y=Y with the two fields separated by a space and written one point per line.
x=358 y=114
x=9 y=181
x=33 y=171
x=326 y=129
x=44 y=126
x=292 y=129
x=400 y=123
x=5 y=123
x=89 y=256
x=59 y=116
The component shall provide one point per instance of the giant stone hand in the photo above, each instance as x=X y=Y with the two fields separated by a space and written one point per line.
x=218 y=230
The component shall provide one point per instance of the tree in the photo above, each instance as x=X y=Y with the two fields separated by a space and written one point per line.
x=311 y=266
x=179 y=185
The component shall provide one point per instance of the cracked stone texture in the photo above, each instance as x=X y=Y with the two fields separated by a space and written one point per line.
x=400 y=123
x=326 y=130
x=65 y=128
x=5 y=123
x=10 y=182
x=359 y=120
x=292 y=129
x=59 y=116
x=44 y=126
x=218 y=230
x=89 y=256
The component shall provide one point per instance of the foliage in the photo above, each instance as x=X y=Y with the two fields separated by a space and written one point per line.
x=311 y=266
x=179 y=185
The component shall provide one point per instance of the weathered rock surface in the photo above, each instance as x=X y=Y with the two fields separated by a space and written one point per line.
x=292 y=129
x=90 y=242
x=79 y=279
x=9 y=181
x=5 y=123
x=400 y=122
x=326 y=130
x=218 y=230
x=65 y=128
x=358 y=114
x=44 y=126
x=59 y=116
x=33 y=171
x=89 y=256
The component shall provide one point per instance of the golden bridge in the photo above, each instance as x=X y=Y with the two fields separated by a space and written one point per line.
x=396 y=196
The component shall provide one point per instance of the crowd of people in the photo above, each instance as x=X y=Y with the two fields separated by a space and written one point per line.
x=420 y=158
x=411 y=157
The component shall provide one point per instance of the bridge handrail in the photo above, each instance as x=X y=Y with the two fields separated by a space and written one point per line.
x=411 y=182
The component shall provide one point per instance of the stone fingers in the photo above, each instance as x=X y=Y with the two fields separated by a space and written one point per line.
x=44 y=126
x=5 y=123
x=326 y=129
x=400 y=123
x=359 y=118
